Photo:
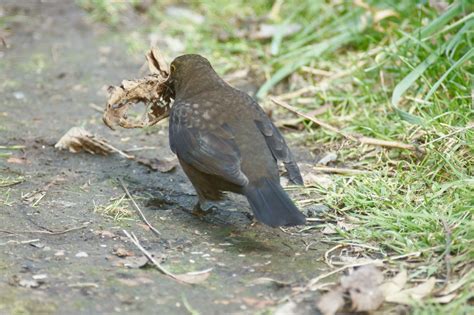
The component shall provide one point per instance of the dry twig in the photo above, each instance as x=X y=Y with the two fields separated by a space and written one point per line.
x=142 y=216
x=354 y=137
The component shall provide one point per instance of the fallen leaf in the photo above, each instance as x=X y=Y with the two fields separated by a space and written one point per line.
x=445 y=299
x=456 y=285
x=194 y=277
x=395 y=284
x=163 y=166
x=363 y=286
x=78 y=139
x=151 y=90
x=257 y=303
x=414 y=294
x=331 y=302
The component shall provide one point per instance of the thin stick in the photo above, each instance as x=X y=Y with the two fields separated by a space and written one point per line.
x=46 y=231
x=355 y=137
x=348 y=171
x=142 y=216
x=315 y=120
x=158 y=266
x=20 y=242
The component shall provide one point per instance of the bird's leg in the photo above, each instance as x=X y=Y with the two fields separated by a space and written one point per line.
x=203 y=207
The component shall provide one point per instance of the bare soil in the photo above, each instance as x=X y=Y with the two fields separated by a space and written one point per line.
x=56 y=65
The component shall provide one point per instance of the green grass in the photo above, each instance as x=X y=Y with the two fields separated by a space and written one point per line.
x=406 y=77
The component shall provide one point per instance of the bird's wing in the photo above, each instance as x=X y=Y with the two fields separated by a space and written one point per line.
x=213 y=152
x=276 y=143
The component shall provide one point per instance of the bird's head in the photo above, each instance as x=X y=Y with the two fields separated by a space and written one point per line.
x=191 y=72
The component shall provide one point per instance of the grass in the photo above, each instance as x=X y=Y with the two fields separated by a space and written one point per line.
x=117 y=209
x=390 y=70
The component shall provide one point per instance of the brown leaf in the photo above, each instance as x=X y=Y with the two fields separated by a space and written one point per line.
x=414 y=294
x=194 y=277
x=445 y=299
x=331 y=302
x=150 y=90
x=163 y=166
x=363 y=286
x=395 y=284
x=78 y=139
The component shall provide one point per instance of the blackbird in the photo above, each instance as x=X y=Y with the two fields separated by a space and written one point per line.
x=224 y=141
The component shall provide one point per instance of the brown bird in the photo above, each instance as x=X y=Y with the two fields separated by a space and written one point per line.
x=225 y=142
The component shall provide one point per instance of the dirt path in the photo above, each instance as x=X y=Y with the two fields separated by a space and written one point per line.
x=55 y=67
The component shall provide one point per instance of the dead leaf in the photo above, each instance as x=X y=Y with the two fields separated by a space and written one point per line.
x=194 y=277
x=78 y=139
x=150 y=90
x=363 y=287
x=414 y=294
x=456 y=285
x=395 y=284
x=331 y=302
x=163 y=166
x=445 y=299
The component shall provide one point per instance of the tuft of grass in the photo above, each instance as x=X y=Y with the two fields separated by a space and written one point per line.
x=117 y=208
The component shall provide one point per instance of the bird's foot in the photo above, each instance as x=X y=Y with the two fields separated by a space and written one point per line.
x=203 y=208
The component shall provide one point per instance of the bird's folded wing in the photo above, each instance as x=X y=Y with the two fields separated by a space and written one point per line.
x=213 y=152
x=277 y=145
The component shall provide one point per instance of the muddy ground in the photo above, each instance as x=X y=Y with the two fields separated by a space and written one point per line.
x=54 y=67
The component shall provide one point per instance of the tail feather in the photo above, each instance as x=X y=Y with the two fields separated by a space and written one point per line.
x=272 y=205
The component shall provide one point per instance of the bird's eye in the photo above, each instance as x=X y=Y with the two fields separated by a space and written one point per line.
x=173 y=67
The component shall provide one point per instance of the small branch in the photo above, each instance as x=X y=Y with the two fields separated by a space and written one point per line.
x=20 y=242
x=158 y=266
x=354 y=137
x=142 y=216
x=46 y=231
x=347 y=171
